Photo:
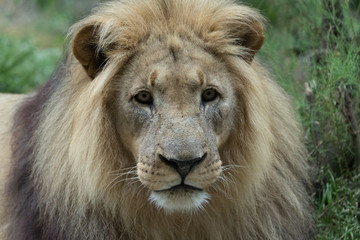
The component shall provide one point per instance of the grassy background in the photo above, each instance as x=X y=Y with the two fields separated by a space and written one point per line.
x=312 y=48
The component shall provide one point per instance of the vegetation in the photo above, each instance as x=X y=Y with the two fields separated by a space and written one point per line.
x=23 y=66
x=313 y=49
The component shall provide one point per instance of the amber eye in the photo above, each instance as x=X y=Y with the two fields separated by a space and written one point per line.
x=209 y=95
x=144 y=97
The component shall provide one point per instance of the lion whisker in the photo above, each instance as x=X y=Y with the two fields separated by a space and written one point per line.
x=139 y=189
x=113 y=184
x=133 y=180
x=115 y=181
x=216 y=187
x=231 y=166
x=226 y=180
x=123 y=169
x=134 y=172
x=127 y=179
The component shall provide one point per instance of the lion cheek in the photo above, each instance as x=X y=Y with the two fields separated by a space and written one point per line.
x=204 y=177
x=222 y=135
x=156 y=178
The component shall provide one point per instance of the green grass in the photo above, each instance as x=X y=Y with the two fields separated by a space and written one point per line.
x=338 y=212
x=319 y=48
x=313 y=51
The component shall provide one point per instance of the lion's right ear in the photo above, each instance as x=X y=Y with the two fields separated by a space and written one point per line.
x=86 y=51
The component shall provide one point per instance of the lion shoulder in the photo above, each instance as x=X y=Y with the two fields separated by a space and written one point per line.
x=8 y=105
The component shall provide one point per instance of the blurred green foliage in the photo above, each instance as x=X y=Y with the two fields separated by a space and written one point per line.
x=23 y=66
x=49 y=3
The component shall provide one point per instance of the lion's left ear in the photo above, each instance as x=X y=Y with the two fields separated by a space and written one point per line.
x=85 y=49
x=250 y=35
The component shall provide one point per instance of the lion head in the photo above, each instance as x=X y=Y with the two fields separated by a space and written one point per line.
x=161 y=124
x=175 y=103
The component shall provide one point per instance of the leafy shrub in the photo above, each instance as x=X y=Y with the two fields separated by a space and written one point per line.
x=23 y=66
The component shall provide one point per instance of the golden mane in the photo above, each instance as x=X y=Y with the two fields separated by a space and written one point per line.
x=66 y=146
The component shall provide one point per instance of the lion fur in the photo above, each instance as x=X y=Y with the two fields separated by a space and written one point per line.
x=64 y=144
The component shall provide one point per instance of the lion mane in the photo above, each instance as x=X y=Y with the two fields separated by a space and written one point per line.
x=66 y=144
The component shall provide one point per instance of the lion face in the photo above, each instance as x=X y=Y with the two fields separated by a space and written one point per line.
x=173 y=87
x=174 y=111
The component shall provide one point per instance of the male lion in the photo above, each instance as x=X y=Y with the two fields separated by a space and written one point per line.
x=160 y=124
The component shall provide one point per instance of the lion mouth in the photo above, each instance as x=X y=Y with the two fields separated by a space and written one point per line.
x=183 y=187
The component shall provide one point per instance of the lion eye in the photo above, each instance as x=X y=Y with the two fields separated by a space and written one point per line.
x=144 y=97
x=209 y=95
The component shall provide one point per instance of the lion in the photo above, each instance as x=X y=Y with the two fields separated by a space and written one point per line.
x=160 y=124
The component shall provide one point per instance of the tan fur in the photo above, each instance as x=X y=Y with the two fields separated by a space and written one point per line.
x=95 y=168
x=8 y=106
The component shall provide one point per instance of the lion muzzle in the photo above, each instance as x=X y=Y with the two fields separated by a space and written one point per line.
x=179 y=167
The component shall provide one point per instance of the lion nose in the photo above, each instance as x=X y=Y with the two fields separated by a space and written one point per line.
x=183 y=167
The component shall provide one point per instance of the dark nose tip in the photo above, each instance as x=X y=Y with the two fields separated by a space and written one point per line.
x=183 y=167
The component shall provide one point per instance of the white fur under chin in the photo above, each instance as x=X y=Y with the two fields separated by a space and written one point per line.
x=180 y=201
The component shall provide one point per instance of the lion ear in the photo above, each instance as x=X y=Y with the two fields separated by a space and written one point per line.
x=86 y=51
x=250 y=35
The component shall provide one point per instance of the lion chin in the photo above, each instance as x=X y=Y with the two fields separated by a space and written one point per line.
x=180 y=198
